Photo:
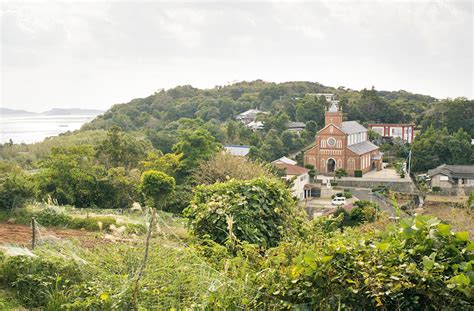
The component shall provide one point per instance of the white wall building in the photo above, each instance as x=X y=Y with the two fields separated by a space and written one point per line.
x=298 y=175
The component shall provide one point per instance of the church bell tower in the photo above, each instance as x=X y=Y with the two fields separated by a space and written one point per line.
x=333 y=115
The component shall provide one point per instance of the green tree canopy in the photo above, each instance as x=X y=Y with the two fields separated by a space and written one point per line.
x=157 y=186
x=195 y=146
x=122 y=149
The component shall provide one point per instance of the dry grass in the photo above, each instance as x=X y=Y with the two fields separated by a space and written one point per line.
x=460 y=219
x=445 y=199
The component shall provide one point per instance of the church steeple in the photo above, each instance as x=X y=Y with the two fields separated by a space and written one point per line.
x=333 y=114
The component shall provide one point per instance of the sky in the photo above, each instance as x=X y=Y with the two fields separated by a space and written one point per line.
x=93 y=54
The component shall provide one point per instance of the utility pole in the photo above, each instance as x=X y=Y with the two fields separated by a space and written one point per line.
x=33 y=233
x=409 y=162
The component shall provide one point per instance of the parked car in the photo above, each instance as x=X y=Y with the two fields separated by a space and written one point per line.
x=339 y=201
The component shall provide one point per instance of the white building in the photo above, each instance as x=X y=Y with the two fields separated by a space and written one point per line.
x=406 y=132
x=249 y=116
x=451 y=176
x=329 y=97
x=285 y=160
x=240 y=151
x=298 y=175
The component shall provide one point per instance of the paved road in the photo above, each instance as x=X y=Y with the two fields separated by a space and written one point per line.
x=366 y=194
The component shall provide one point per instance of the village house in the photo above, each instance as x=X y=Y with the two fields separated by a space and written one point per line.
x=343 y=145
x=296 y=127
x=298 y=175
x=249 y=116
x=406 y=132
x=453 y=179
x=235 y=150
x=328 y=96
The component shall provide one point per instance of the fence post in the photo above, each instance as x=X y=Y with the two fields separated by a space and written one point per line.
x=33 y=233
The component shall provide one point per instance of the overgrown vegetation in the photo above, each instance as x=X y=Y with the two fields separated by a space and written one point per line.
x=249 y=245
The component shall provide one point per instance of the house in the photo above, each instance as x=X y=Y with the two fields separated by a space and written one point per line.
x=249 y=116
x=240 y=151
x=255 y=125
x=296 y=126
x=342 y=145
x=406 y=132
x=448 y=177
x=285 y=160
x=329 y=97
x=298 y=175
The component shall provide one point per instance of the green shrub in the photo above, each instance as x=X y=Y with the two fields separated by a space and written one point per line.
x=135 y=229
x=93 y=223
x=259 y=211
x=357 y=173
x=417 y=264
x=347 y=193
x=364 y=211
x=53 y=217
x=15 y=190
x=436 y=189
x=34 y=279
x=56 y=218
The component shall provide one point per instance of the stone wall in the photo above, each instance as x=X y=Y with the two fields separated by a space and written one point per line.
x=455 y=190
x=399 y=186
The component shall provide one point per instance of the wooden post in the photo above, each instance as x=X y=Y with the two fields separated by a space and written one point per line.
x=33 y=233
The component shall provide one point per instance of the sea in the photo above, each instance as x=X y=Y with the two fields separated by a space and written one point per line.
x=32 y=128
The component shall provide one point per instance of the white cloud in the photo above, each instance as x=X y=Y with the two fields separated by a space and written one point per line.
x=94 y=54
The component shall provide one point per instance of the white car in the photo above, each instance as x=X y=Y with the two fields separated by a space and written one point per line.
x=339 y=201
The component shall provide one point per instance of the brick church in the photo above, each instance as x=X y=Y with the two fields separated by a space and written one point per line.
x=342 y=145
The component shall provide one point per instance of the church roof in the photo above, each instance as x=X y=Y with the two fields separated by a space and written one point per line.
x=362 y=147
x=352 y=127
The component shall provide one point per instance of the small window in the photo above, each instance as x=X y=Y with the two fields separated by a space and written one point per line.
x=443 y=178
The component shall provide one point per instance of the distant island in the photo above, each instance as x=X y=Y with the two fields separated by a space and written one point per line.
x=52 y=112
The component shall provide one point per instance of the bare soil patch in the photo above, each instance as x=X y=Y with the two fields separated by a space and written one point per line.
x=21 y=234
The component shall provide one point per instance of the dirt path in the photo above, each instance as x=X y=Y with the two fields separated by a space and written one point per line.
x=21 y=234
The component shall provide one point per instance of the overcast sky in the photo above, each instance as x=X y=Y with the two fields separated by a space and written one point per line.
x=94 y=54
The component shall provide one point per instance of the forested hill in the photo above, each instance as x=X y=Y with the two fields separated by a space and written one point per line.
x=290 y=98
x=160 y=115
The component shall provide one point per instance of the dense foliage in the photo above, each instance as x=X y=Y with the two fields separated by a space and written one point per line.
x=223 y=166
x=157 y=186
x=259 y=211
x=416 y=264
x=434 y=147
x=164 y=115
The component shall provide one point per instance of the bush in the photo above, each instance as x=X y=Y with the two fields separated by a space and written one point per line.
x=33 y=279
x=15 y=190
x=402 y=268
x=364 y=211
x=357 y=173
x=347 y=193
x=92 y=223
x=260 y=211
x=136 y=229
x=53 y=217
x=436 y=189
